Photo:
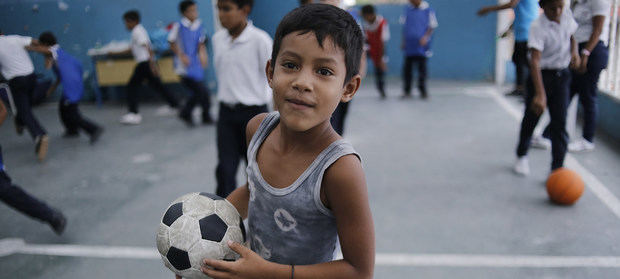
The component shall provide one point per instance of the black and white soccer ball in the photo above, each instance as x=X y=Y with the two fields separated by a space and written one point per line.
x=198 y=226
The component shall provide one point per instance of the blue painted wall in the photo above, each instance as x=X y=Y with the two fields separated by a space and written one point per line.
x=86 y=23
x=464 y=44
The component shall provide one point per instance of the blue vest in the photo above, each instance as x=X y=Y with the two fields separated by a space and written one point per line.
x=416 y=23
x=69 y=71
x=190 y=39
x=525 y=13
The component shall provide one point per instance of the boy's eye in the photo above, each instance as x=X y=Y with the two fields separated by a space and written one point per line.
x=289 y=65
x=324 y=72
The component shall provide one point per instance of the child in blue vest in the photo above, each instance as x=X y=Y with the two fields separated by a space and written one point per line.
x=187 y=41
x=20 y=200
x=68 y=71
x=420 y=22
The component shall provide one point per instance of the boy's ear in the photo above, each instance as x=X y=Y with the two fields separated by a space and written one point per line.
x=246 y=9
x=269 y=72
x=350 y=88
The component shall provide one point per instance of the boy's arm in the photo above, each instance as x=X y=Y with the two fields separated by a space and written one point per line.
x=345 y=189
x=52 y=88
x=597 y=28
x=240 y=196
x=179 y=53
x=575 y=61
x=540 y=99
x=202 y=54
x=3 y=113
x=485 y=10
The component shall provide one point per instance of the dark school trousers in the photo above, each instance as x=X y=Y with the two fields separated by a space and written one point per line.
x=519 y=58
x=22 y=88
x=408 y=74
x=231 y=143
x=557 y=86
x=20 y=200
x=200 y=95
x=140 y=73
x=73 y=120
x=338 y=117
x=586 y=85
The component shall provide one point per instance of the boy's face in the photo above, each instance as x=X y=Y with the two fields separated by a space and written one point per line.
x=307 y=80
x=415 y=2
x=553 y=10
x=191 y=12
x=231 y=15
x=130 y=24
x=370 y=18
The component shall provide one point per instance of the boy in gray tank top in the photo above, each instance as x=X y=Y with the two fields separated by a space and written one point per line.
x=306 y=186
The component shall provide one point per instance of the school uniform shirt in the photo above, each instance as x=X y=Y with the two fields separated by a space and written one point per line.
x=584 y=11
x=526 y=12
x=139 y=42
x=69 y=70
x=417 y=21
x=552 y=39
x=240 y=66
x=188 y=36
x=377 y=33
x=14 y=59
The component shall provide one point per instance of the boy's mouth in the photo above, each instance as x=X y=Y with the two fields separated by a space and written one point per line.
x=299 y=102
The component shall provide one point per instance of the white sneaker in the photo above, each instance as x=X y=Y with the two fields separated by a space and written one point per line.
x=166 y=110
x=580 y=145
x=131 y=119
x=522 y=166
x=540 y=142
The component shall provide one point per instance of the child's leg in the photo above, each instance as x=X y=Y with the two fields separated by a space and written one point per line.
x=71 y=128
x=157 y=85
x=17 y=198
x=21 y=88
x=557 y=89
x=422 y=75
x=81 y=121
x=139 y=74
x=587 y=97
x=379 y=75
x=229 y=141
x=407 y=75
x=186 y=111
x=529 y=121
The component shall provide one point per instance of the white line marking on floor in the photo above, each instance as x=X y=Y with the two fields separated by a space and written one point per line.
x=18 y=246
x=142 y=158
x=593 y=184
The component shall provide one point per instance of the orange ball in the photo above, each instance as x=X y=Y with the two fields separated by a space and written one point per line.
x=564 y=186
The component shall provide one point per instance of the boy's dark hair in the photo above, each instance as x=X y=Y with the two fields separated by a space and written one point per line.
x=368 y=9
x=325 y=21
x=545 y=2
x=132 y=15
x=241 y=3
x=185 y=4
x=47 y=38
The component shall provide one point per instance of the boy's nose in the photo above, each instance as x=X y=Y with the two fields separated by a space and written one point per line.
x=303 y=83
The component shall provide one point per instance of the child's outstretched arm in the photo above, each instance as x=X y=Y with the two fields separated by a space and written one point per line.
x=345 y=191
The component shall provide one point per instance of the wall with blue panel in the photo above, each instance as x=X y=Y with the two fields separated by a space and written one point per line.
x=463 y=45
x=87 y=23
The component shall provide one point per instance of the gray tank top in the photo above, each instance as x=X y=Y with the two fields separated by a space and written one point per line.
x=291 y=225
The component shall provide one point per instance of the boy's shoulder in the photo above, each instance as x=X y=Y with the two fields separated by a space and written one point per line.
x=253 y=124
